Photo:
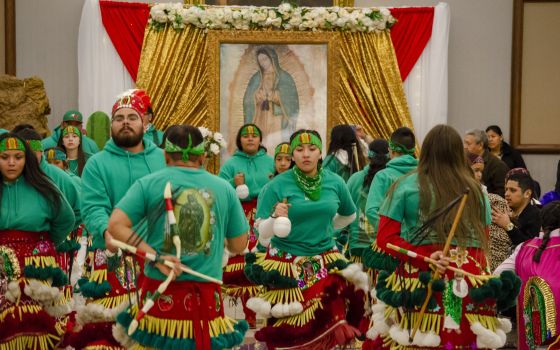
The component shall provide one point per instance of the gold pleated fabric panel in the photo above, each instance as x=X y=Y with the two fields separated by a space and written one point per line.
x=370 y=87
x=174 y=71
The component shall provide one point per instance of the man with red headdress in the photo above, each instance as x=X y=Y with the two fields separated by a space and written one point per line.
x=105 y=179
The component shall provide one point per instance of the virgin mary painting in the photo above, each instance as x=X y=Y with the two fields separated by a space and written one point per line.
x=271 y=99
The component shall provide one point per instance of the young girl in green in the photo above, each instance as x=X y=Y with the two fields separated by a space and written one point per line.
x=248 y=170
x=35 y=219
x=306 y=296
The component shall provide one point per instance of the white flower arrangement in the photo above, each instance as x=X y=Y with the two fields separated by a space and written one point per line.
x=214 y=141
x=285 y=16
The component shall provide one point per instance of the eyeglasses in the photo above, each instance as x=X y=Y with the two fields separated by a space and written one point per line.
x=121 y=118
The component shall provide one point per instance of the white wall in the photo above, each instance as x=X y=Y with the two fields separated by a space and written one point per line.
x=46 y=46
x=479 y=61
x=480 y=41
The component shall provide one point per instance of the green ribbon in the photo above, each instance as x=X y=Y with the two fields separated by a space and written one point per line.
x=11 y=144
x=311 y=186
x=397 y=147
x=305 y=138
x=195 y=151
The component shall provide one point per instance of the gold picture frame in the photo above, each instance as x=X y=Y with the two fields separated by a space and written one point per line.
x=216 y=39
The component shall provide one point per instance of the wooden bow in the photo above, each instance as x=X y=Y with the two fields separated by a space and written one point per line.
x=437 y=274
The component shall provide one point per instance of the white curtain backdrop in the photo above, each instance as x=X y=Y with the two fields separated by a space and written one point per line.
x=101 y=73
x=426 y=85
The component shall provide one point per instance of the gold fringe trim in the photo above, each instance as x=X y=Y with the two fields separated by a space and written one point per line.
x=284 y=267
x=65 y=297
x=488 y=322
x=284 y=296
x=40 y=261
x=42 y=342
x=332 y=257
x=430 y=322
x=111 y=302
x=60 y=326
x=103 y=347
x=182 y=329
x=237 y=292
x=22 y=309
x=356 y=259
x=302 y=318
x=234 y=267
x=410 y=284
x=98 y=276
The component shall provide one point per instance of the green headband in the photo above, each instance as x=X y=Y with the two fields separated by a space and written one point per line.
x=250 y=129
x=284 y=147
x=35 y=145
x=55 y=154
x=372 y=154
x=305 y=138
x=71 y=130
x=397 y=147
x=195 y=151
x=11 y=144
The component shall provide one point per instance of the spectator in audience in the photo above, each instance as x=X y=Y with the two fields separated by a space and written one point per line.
x=502 y=149
x=498 y=240
x=495 y=170
x=524 y=222
x=71 y=118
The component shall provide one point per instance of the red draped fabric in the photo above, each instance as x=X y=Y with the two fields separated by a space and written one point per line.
x=410 y=35
x=125 y=23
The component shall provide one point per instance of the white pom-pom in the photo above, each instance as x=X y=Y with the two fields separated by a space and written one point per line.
x=399 y=335
x=504 y=324
x=242 y=191
x=485 y=338
x=260 y=306
x=296 y=308
x=132 y=327
x=277 y=311
x=286 y=309
x=354 y=274
x=119 y=333
x=372 y=333
x=13 y=292
x=373 y=294
x=282 y=227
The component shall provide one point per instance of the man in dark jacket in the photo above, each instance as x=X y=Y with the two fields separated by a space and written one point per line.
x=495 y=170
x=525 y=221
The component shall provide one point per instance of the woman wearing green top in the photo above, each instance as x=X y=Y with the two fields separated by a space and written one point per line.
x=34 y=221
x=341 y=155
x=282 y=158
x=248 y=170
x=361 y=231
x=461 y=311
x=305 y=295
x=71 y=142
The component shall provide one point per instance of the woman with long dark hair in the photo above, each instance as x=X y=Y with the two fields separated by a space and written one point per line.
x=34 y=220
x=361 y=230
x=343 y=155
x=462 y=310
x=248 y=170
x=503 y=150
x=537 y=263
x=71 y=142
x=306 y=299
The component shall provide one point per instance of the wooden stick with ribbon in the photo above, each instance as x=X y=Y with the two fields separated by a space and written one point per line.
x=427 y=259
x=163 y=286
x=355 y=156
x=437 y=274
